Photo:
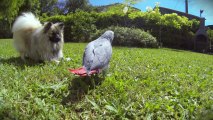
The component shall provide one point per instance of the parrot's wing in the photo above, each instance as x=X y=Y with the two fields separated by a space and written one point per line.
x=102 y=55
x=88 y=56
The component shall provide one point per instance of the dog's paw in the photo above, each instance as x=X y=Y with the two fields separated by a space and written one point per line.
x=67 y=59
x=56 y=61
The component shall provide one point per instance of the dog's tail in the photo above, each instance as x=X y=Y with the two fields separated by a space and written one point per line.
x=26 y=21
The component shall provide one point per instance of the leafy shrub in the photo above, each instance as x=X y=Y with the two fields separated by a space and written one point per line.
x=210 y=35
x=129 y=37
x=178 y=22
x=178 y=39
x=105 y=20
x=78 y=26
x=5 y=31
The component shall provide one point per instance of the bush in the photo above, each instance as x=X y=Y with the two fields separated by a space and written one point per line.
x=129 y=37
x=106 y=19
x=78 y=26
x=210 y=35
x=5 y=31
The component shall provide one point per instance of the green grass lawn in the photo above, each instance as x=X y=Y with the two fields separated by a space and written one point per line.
x=140 y=84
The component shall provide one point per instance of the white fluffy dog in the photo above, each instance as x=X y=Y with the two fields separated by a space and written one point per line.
x=36 y=41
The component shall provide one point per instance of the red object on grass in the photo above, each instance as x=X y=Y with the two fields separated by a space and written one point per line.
x=82 y=72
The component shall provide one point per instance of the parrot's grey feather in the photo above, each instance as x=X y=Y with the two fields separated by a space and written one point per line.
x=98 y=52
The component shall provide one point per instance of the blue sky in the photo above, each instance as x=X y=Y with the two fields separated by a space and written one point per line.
x=194 y=6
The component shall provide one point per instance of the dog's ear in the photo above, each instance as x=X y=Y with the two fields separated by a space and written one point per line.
x=47 y=26
x=61 y=25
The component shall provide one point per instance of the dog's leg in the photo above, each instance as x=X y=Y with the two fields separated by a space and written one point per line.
x=60 y=54
x=22 y=54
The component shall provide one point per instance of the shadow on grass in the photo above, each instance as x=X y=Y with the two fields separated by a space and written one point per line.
x=6 y=114
x=80 y=86
x=18 y=62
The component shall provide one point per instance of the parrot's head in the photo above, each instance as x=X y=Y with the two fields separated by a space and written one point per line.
x=109 y=35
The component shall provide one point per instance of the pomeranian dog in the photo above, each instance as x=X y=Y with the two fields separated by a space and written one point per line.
x=36 y=41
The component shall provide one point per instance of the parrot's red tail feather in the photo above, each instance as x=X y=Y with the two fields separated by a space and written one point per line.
x=82 y=72
x=78 y=71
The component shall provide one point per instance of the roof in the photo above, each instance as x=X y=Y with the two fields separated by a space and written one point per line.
x=210 y=27
x=164 y=10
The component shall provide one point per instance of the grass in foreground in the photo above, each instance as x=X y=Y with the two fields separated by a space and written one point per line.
x=140 y=84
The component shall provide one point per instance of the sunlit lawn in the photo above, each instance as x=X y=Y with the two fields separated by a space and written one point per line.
x=140 y=84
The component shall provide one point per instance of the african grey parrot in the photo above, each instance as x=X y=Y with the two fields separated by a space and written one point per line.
x=97 y=55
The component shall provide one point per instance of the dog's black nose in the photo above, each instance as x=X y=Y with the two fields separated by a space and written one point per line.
x=55 y=39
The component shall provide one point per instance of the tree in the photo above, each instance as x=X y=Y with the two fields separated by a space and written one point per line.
x=73 y=5
x=9 y=9
x=30 y=6
x=132 y=2
x=129 y=3
x=49 y=7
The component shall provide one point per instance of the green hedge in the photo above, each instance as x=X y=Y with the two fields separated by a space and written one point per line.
x=210 y=35
x=129 y=37
x=78 y=26
x=170 y=30
x=5 y=31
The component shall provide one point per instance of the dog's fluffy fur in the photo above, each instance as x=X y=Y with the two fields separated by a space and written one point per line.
x=36 y=41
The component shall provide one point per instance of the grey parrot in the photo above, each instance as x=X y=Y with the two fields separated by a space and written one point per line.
x=97 y=53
